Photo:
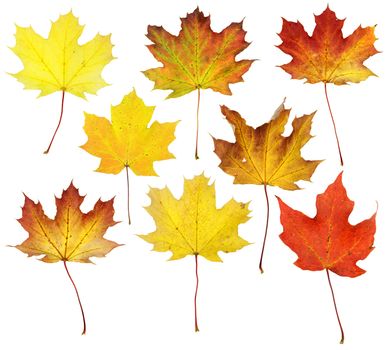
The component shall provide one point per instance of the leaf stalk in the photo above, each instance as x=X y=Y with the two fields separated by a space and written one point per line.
x=196 y=329
x=333 y=123
x=128 y=193
x=266 y=230
x=60 y=121
x=77 y=294
x=336 y=309
x=197 y=120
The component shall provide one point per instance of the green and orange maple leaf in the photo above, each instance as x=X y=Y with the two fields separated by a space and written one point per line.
x=198 y=58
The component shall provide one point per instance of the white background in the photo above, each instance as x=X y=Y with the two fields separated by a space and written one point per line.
x=134 y=298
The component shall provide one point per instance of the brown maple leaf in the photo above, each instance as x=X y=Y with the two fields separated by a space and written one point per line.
x=263 y=156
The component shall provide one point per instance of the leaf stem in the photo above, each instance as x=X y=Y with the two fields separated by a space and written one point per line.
x=77 y=294
x=57 y=128
x=128 y=193
x=197 y=120
x=195 y=296
x=266 y=230
x=333 y=123
x=336 y=309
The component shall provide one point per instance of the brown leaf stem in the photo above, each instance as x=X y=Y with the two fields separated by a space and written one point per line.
x=197 y=120
x=128 y=193
x=266 y=230
x=77 y=294
x=195 y=296
x=336 y=309
x=57 y=128
x=333 y=123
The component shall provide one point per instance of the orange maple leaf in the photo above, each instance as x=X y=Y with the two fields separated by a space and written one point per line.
x=198 y=58
x=326 y=56
x=71 y=235
x=328 y=241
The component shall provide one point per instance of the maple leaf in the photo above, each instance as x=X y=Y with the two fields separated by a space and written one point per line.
x=326 y=56
x=59 y=63
x=127 y=141
x=71 y=235
x=328 y=241
x=193 y=225
x=197 y=58
x=262 y=156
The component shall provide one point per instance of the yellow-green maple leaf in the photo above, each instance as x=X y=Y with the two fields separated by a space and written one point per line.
x=192 y=225
x=59 y=63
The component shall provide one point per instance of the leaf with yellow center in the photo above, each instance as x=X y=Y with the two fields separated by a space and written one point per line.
x=193 y=225
x=72 y=236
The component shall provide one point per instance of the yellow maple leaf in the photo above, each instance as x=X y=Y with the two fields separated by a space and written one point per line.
x=59 y=63
x=71 y=236
x=262 y=156
x=127 y=141
x=192 y=225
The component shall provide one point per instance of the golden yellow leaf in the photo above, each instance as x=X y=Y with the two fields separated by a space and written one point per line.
x=263 y=155
x=193 y=225
x=59 y=63
x=127 y=141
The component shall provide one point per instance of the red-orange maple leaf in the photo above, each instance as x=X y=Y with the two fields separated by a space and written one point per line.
x=326 y=56
x=328 y=241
